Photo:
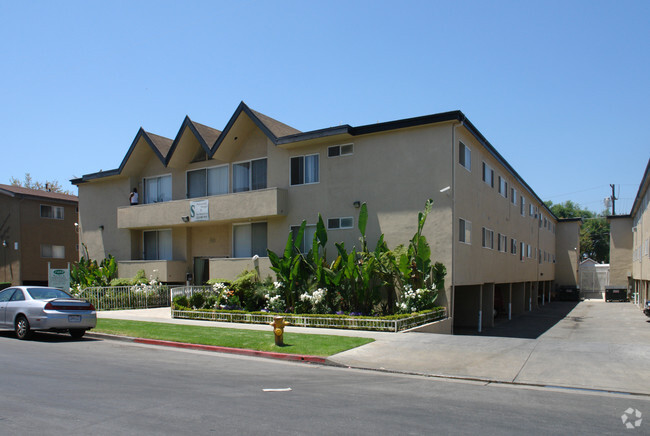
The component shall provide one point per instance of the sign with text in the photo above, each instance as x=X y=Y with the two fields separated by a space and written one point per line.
x=199 y=210
x=58 y=277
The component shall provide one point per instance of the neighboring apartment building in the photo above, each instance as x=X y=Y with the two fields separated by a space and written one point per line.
x=211 y=200
x=36 y=227
x=630 y=244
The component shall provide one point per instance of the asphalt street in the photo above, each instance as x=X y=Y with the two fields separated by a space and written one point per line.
x=55 y=385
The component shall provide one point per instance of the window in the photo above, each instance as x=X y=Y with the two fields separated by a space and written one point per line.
x=522 y=206
x=465 y=231
x=502 y=243
x=503 y=187
x=513 y=246
x=488 y=238
x=522 y=251
x=488 y=175
x=539 y=253
x=249 y=175
x=465 y=156
x=207 y=181
x=53 y=251
x=249 y=240
x=157 y=189
x=513 y=196
x=531 y=209
x=157 y=244
x=307 y=239
x=53 y=212
x=304 y=169
x=340 y=223
x=529 y=251
x=340 y=150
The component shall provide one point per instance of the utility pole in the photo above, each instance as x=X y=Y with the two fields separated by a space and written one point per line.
x=613 y=200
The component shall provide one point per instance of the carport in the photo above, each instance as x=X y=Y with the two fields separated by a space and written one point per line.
x=474 y=306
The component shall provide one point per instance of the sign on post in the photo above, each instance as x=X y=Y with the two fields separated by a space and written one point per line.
x=58 y=277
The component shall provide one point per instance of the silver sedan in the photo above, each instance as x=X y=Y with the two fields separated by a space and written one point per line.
x=28 y=308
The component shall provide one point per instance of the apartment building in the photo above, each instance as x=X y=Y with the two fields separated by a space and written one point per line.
x=36 y=228
x=630 y=245
x=211 y=201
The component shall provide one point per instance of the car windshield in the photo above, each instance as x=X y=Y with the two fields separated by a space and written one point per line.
x=46 y=293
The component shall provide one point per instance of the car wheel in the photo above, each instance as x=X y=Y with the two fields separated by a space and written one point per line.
x=22 y=328
x=77 y=333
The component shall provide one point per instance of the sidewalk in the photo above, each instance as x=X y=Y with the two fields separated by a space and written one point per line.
x=598 y=346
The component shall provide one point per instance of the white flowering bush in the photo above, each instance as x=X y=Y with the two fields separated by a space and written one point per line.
x=313 y=301
x=415 y=300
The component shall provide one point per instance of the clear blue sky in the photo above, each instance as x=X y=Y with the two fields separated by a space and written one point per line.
x=560 y=88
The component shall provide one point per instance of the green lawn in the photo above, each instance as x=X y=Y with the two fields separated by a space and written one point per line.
x=295 y=343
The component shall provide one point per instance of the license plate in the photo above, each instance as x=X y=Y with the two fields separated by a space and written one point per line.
x=74 y=318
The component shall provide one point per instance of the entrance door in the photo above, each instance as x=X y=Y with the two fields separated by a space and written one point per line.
x=201 y=271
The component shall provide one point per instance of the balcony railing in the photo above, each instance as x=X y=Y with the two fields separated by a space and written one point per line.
x=221 y=208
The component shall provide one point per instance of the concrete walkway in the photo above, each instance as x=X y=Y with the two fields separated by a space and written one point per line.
x=597 y=345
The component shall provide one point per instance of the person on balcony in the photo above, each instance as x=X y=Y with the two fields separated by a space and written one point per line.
x=133 y=198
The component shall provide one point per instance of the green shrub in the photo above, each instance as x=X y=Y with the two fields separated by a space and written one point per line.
x=197 y=300
x=121 y=282
x=180 y=301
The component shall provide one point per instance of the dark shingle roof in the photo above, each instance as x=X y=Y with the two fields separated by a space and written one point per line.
x=21 y=191
x=276 y=127
x=208 y=134
x=161 y=143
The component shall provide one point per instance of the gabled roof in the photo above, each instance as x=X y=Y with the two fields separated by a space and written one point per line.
x=280 y=133
x=272 y=128
x=204 y=134
x=21 y=192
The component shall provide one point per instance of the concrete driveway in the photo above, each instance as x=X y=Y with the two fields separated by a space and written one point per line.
x=589 y=345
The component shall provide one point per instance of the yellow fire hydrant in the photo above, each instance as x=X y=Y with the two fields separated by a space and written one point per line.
x=278 y=325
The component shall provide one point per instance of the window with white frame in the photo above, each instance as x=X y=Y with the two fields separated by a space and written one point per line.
x=522 y=206
x=340 y=150
x=53 y=251
x=249 y=240
x=488 y=175
x=503 y=243
x=503 y=187
x=249 y=175
x=488 y=238
x=464 y=231
x=52 y=212
x=531 y=209
x=539 y=253
x=340 y=223
x=513 y=196
x=307 y=241
x=513 y=246
x=157 y=244
x=157 y=189
x=522 y=251
x=207 y=181
x=529 y=251
x=304 y=170
x=465 y=156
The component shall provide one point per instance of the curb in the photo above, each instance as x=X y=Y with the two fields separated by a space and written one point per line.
x=214 y=348
x=489 y=381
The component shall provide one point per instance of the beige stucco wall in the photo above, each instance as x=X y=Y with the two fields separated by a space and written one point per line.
x=620 y=250
x=98 y=203
x=568 y=253
x=484 y=206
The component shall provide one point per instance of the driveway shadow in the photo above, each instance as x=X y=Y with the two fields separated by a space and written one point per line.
x=529 y=325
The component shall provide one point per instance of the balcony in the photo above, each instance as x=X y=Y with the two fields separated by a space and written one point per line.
x=259 y=204
x=168 y=271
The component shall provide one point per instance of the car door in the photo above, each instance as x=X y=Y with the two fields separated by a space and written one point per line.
x=5 y=295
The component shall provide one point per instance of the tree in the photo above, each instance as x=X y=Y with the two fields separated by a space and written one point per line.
x=594 y=233
x=51 y=186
